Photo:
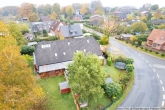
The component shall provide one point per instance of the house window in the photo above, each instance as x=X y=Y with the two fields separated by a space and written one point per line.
x=158 y=44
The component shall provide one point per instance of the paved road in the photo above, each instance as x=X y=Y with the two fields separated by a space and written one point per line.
x=149 y=87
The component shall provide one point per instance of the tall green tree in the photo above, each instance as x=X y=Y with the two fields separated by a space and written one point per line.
x=154 y=7
x=56 y=9
x=139 y=27
x=86 y=76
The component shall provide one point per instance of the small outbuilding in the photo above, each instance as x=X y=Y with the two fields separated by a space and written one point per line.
x=126 y=36
x=64 y=87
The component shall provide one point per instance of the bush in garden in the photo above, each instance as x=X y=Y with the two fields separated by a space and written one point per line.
x=162 y=55
x=120 y=59
x=126 y=42
x=97 y=37
x=104 y=39
x=27 y=50
x=150 y=50
x=109 y=61
x=129 y=68
x=156 y=52
x=137 y=46
x=129 y=61
x=141 y=47
x=139 y=42
x=113 y=90
x=146 y=49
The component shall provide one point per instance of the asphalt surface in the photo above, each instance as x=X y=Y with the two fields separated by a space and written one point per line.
x=147 y=90
x=149 y=83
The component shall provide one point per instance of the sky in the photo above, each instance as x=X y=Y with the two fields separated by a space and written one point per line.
x=111 y=3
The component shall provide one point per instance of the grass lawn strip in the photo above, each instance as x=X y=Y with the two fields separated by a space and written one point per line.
x=56 y=100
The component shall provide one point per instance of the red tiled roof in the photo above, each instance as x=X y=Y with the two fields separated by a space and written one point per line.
x=157 y=35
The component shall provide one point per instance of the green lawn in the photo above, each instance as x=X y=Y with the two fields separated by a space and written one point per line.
x=56 y=100
x=113 y=72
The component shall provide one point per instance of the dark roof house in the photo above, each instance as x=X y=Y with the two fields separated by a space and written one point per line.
x=55 y=55
x=71 y=31
x=40 y=26
x=157 y=21
x=44 y=18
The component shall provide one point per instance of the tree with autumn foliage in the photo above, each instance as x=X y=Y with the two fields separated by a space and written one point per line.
x=18 y=87
x=53 y=16
x=158 y=14
x=69 y=11
x=29 y=10
x=84 y=9
x=56 y=9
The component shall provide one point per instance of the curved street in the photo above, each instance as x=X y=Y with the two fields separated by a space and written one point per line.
x=148 y=89
x=149 y=84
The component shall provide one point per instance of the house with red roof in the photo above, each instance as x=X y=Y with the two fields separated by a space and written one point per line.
x=156 y=39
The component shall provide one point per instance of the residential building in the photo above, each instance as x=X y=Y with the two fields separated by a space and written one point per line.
x=157 y=21
x=145 y=13
x=156 y=39
x=126 y=36
x=71 y=31
x=29 y=36
x=38 y=27
x=52 y=57
x=44 y=18
x=55 y=27
x=77 y=17
x=96 y=20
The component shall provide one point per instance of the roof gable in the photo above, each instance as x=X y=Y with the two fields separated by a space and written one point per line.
x=156 y=34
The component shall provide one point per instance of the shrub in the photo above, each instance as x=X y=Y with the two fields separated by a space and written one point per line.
x=150 y=50
x=45 y=33
x=141 y=47
x=109 y=61
x=27 y=50
x=137 y=46
x=133 y=43
x=51 y=38
x=129 y=68
x=113 y=90
x=162 y=55
x=126 y=42
x=156 y=52
x=139 y=42
x=104 y=39
x=120 y=59
x=143 y=37
x=146 y=49
x=84 y=31
x=97 y=37
x=129 y=61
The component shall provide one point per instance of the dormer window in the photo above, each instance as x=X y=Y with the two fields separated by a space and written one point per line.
x=55 y=54
x=64 y=53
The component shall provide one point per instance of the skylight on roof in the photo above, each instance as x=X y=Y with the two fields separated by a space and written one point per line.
x=55 y=54
x=64 y=53
x=88 y=41
x=76 y=50
x=84 y=50
x=45 y=46
x=68 y=43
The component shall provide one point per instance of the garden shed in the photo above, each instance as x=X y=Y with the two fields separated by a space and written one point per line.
x=64 y=87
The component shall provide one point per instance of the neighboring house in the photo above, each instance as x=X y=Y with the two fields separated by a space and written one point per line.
x=32 y=43
x=24 y=19
x=96 y=20
x=157 y=39
x=29 y=36
x=157 y=21
x=126 y=36
x=38 y=27
x=52 y=57
x=133 y=21
x=55 y=27
x=121 y=14
x=77 y=18
x=71 y=31
x=145 y=13
x=44 y=18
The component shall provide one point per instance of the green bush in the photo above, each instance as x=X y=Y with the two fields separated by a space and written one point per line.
x=156 y=52
x=141 y=47
x=27 y=50
x=126 y=42
x=120 y=59
x=146 y=49
x=129 y=68
x=139 y=42
x=162 y=55
x=51 y=38
x=84 y=31
x=104 y=39
x=143 y=37
x=45 y=33
x=150 y=50
x=109 y=61
x=129 y=61
x=137 y=46
x=97 y=37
